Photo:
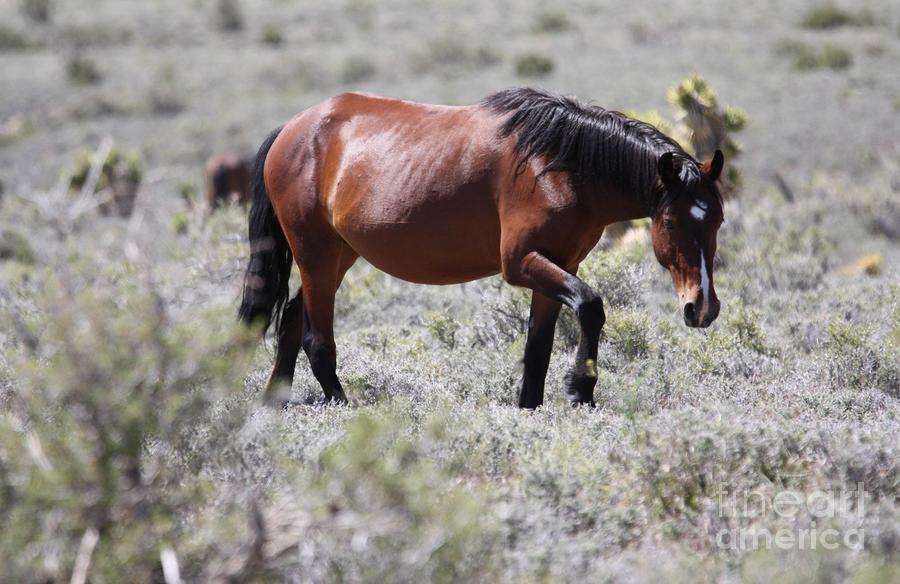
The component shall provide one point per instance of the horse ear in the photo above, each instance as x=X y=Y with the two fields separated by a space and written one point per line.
x=713 y=168
x=666 y=168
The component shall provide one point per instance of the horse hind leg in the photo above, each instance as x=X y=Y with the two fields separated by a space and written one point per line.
x=289 y=337
x=321 y=278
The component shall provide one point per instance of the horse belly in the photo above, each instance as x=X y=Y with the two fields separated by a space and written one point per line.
x=427 y=238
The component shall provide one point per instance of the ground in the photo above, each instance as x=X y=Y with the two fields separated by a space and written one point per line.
x=132 y=434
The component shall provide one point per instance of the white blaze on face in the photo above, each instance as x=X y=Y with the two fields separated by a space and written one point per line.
x=704 y=284
x=698 y=211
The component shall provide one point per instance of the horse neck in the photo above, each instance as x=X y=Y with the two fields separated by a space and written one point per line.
x=608 y=204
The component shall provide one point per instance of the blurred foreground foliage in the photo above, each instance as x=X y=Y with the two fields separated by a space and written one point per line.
x=102 y=393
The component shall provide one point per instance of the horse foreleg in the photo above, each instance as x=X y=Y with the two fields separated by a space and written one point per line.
x=537 y=272
x=541 y=327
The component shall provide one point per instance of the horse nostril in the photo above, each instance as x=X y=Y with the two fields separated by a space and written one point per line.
x=689 y=317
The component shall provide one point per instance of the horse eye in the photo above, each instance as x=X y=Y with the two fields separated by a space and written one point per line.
x=668 y=224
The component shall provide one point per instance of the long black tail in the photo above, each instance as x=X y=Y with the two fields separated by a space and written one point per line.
x=266 y=282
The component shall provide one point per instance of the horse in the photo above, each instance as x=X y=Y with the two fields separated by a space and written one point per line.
x=521 y=184
x=227 y=174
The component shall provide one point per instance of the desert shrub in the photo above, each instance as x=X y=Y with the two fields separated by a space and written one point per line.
x=38 y=11
x=188 y=192
x=271 y=35
x=550 y=21
x=14 y=246
x=828 y=56
x=855 y=359
x=12 y=39
x=80 y=36
x=106 y=386
x=745 y=322
x=381 y=510
x=710 y=127
x=118 y=177
x=228 y=15
x=82 y=70
x=129 y=165
x=451 y=55
x=701 y=126
x=14 y=129
x=738 y=350
x=357 y=69
x=361 y=12
x=829 y=15
x=617 y=274
x=504 y=318
x=443 y=327
x=533 y=65
x=628 y=332
x=181 y=222
x=165 y=97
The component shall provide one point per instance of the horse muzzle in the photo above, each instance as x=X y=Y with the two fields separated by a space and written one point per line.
x=696 y=317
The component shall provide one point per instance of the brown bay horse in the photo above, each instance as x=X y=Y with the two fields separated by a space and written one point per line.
x=227 y=175
x=520 y=184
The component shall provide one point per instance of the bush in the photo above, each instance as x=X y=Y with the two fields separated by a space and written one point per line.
x=628 y=332
x=106 y=388
x=533 y=65
x=12 y=39
x=443 y=327
x=271 y=35
x=82 y=71
x=228 y=15
x=829 y=56
x=829 y=15
x=856 y=361
x=357 y=69
x=702 y=126
x=165 y=97
x=38 y=11
x=15 y=128
x=117 y=181
x=383 y=511
x=550 y=21
x=452 y=55
x=15 y=247
x=745 y=324
x=617 y=274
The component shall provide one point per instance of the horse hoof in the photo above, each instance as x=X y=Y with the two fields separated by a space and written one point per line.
x=580 y=389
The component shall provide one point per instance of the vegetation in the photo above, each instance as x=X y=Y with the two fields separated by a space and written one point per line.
x=533 y=65
x=828 y=56
x=107 y=176
x=228 y=15
x=11 y=39
x=134 y=445
x=451 y=56
x=829 y=15
x=701 y=126
x=82 y=70
x=271 y=35
x=550 y=21
x=357 y=69
x=38 y=11
x=140 y=441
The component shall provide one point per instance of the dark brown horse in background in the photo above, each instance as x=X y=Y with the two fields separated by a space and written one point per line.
x=227 y=175
x=521 y=184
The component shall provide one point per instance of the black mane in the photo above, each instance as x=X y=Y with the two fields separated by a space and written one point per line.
x=597 y=145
